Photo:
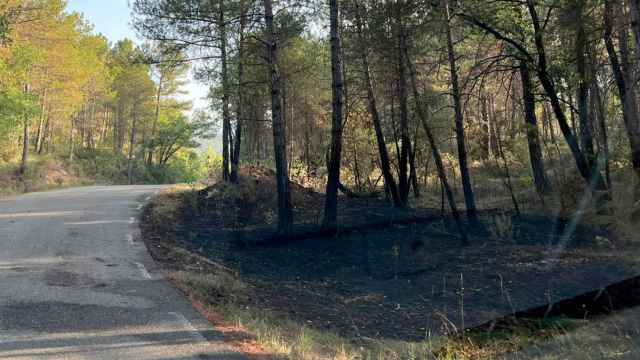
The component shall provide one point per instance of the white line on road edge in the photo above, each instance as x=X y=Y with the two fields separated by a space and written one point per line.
x=143 y=271
x=129 y=239
x=195 y=334
x=97 y=222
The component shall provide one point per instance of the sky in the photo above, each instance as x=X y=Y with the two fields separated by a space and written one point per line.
x=112 y=18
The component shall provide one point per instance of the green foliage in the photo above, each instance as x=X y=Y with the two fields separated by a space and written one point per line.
x=93 y=103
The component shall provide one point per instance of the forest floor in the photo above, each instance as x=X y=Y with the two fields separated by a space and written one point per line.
x=402 y=283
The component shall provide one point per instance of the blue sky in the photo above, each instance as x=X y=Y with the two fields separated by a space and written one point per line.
x=110 y=17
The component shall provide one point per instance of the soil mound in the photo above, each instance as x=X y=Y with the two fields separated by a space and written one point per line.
x=253 y=200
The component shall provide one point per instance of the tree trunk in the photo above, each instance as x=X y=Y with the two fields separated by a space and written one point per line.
x=25 y=140
x=45 y=132
x=385 y=165
x=602 y=130
x=634 y=14
x=285 y=214
x=442 y=174
x=25 y=147
x=413 y=173
x=533 y=140
x=469 y=196
x=592 y=176
x=132 y=144
x=405 y=141
x=586 y=136
x=72 y=137
x=330 y=220
x=485 y=142
x=40 y=132
x=156 y=118
x=235 y=159
x=626 y=90
x=226 y=122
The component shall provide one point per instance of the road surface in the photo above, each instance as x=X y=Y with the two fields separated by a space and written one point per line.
x=77 y=283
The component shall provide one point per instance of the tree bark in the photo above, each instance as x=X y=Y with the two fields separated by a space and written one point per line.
x=592 y=176
x=156 y=118
x=45 y=132
x=285 y=214
x=40 y=131
x=25 y=147
x=626 y=90
x=602 y=130
x=413 y=172
x=634 y=14
x=469 y=196
x=226 y=122
x=533 y=139
x=385 y=165
x=235 y=159
x=330 y=220
x=405 y=141
x=442 y=174
x=72 y=136
x=132 y=144
x=25 y=140
x=586 y=136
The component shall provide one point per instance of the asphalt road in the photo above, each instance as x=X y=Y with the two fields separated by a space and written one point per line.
x=77 y=283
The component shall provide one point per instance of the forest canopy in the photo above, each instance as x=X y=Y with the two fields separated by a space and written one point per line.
x=532 y=101
x=66 y=92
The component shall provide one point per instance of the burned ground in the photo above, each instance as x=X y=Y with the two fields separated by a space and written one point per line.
x=407 y=279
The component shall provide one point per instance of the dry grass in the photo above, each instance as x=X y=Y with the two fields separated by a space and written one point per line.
x=613 y=337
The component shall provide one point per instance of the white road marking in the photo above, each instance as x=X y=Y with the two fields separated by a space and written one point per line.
x=143 y=271
x=140 y=207
x=147 y=198
x=129 y=239
x=38 y=214
x=132 y=220
x=195 y=334
x=97 y=222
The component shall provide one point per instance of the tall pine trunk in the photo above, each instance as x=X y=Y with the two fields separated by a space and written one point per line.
x=226 y=122
x=405 y=141
x=25 y=140
x=469 y=196
x=25 y=147
x=626 y=90
x=586 y=134
x=156 y=118
x=235 y=158
x=591 y=175
x=442 y=173
x=285 y=214
x=132 y=143
x=634 y=14
x=330 y=220
x=385 y=164
x=533 y=139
